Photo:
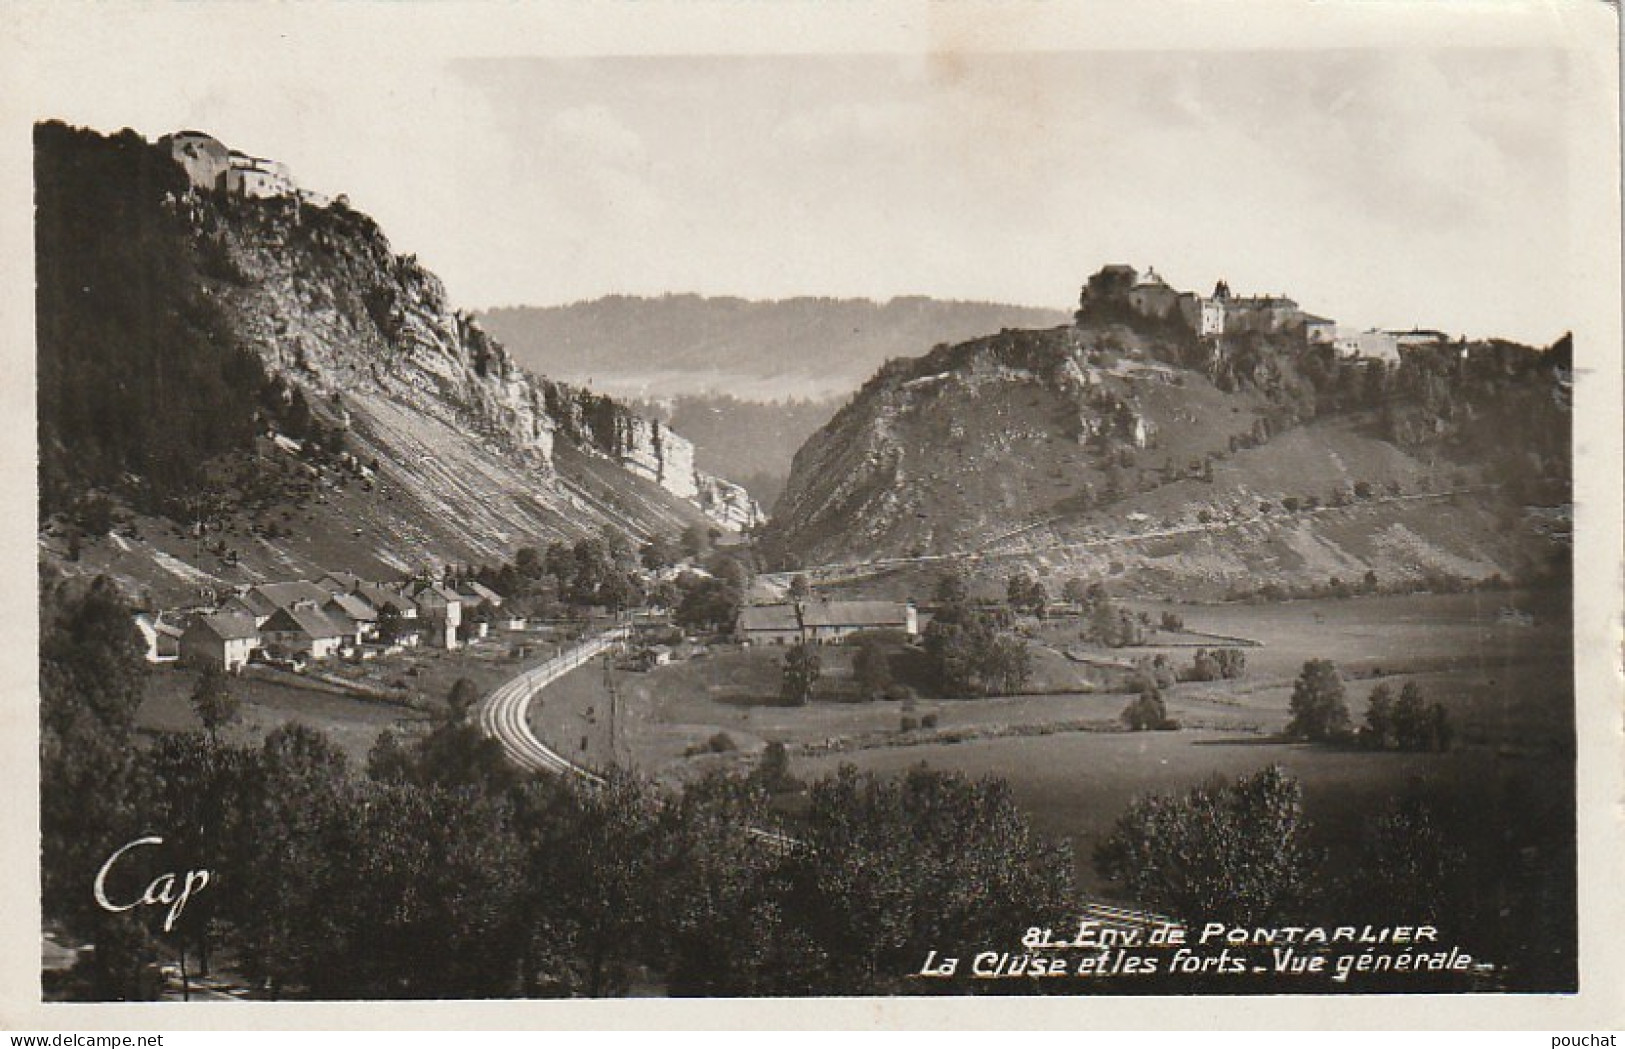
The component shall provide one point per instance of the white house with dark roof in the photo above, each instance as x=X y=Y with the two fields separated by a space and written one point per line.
x=225 y=639
x=305 y=629
x=360 y=616
x=442 y=609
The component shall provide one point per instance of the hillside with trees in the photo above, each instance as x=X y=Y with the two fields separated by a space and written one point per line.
x=231 y=388
x=1260 y=459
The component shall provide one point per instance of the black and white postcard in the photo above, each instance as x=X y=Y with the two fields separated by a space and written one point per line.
x=995 y=504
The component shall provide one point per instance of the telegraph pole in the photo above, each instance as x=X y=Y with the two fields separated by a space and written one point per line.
x=614 y=709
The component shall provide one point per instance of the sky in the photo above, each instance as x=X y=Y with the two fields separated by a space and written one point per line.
x=1422 y=186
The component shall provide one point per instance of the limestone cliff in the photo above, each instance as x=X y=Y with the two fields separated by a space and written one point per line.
x=267 y=385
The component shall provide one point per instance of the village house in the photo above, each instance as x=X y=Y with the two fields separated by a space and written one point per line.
x=823 y=622
x=250 y=603
x=340 y=582
x=384 y=599
x=302 y=630
x=223 y=639
x=162 y=639
x=286 y=595
x=362 y=617
x=769 y=625
x=442 y=609
x=474 y=593
x=265 y=599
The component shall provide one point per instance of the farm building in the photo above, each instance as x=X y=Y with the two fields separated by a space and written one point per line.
x=769 y=625
x=340 y=582
x=833 y=620
x=823 y=621
x=303 y=629
x=344 y=608
x=225 y=639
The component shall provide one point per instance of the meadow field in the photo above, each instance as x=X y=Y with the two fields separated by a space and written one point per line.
x=416 y=681
x=1508 y=690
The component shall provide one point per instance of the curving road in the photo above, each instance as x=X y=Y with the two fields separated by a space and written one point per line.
x=502 y=713
x=502 y=717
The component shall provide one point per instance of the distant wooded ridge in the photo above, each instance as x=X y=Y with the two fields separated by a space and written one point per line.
x=755 y=350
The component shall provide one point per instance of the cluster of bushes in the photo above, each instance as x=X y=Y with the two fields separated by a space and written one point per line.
x=1148 y=711
x=1219 y=664
x=1431 y=581
x=1408 y=723
x=1023 y=593
x=720 y=743
x=1320 y=714
x=970 y=651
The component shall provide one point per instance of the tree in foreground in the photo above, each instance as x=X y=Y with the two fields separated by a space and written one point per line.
x=1378 y=731
x=895 y=866
x=801 y=672
x=1408 y=865
x=1232 y=852
x=213 y=700
x=1320 y=711
x=872 y=668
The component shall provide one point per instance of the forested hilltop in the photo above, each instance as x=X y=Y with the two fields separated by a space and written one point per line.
x=1254 y=457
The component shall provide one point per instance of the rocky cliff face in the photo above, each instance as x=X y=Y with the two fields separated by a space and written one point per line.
x=318 y=294
x=405 y=434
x=1101 y=451
x=328 y=306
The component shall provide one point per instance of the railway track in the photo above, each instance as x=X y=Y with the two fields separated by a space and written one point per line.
x=502 y=716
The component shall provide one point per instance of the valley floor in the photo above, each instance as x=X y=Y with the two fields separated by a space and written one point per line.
x=1507 y=689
